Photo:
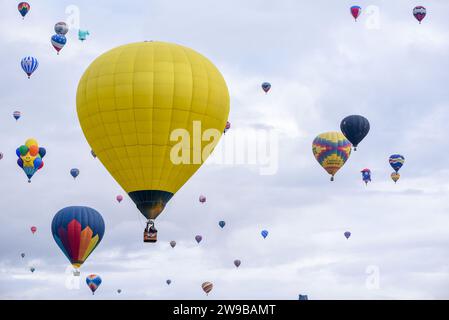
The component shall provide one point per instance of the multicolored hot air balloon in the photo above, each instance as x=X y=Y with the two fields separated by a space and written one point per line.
x=24 y=8
x=207 y=287
x=266 y=86
x=355 y=128
x=396 y=161
x=264 y=233
x=173 y=243
x=356 y=11
x=366 y=175
x=222 y=224
x=93 y=281
x=61 y=28
x=74 y=172
x=17 y=115
x=33 y=229
x=77 y=231
x=160 y=104
x=331 y=150
x=420 y=13
x=347 y=234
x=82 y=34
x=30 y=157
x=58 y=42
x=395 y=176
x=198 y=238
x=119 y=198
x=29 y=65
x=168 y=281
x=237 y=263
x=202 y=199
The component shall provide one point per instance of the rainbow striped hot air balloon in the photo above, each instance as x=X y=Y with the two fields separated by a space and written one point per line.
x=331 y=150
x=77 y=231
x=396 y=161
x=93 y=281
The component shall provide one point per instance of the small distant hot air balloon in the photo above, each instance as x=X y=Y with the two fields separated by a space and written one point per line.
x=74 y=172
x=119 y=198
x=119 y=291
x=222 y=224
x=93 y=281
x=207 y=287
x=168 y=282
x=366 y=175
x=1 y=155
x=17 y=115
x=331 y=150
x=30 y=157
x=266 y=86
x=61 y=28
x=396 y=161
x=237 y=263
x=173 y=243
x=347 y=234
x=29 y=65
x=22 y=255
x=33 y=229
x=264 y=233
x=395 y=176
x=82 y=34
x=355 y=128
x=356 y=11
x=198 y=238
x=303 y=297
x=420 y=13
x=77 y=231
x=93 y=153
x=24 y=8
x=32 y=269
x=58 y=42
x=228 y=126
x=202 y=199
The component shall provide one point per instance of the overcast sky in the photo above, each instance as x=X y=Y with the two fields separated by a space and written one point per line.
x=322 y=66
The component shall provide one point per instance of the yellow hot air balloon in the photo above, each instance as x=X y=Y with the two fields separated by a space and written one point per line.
x=395 y=176
x=331 y=150
x=152 y=112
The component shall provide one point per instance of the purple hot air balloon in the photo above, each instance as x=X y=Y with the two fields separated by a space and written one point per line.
x=237 y=263
x=347 y=234
x=198 y=238
x=202 y=199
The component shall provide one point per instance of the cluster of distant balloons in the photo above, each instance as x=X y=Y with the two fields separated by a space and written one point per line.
x=419 y=12
x=58 y=40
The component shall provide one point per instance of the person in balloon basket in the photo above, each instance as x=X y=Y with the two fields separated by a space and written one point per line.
x=150 y=232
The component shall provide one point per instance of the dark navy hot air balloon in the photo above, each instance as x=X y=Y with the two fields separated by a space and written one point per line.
x=74 y=172
x=222 y=224
x=266 y=86
x=347 y=234
x=77 y=231
x=198 y=238
x=355 y=128
x=264 y=233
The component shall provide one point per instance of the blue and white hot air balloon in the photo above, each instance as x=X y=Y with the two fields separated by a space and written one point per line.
x=29 y=65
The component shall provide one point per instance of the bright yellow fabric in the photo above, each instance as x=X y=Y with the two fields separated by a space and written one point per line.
x=131 y=98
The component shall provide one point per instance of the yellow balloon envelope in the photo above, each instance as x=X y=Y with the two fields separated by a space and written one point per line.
x=331 y=150
x=395 y=176
x=130 y=102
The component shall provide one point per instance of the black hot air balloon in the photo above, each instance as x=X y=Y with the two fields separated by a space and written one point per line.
x=355 y=128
